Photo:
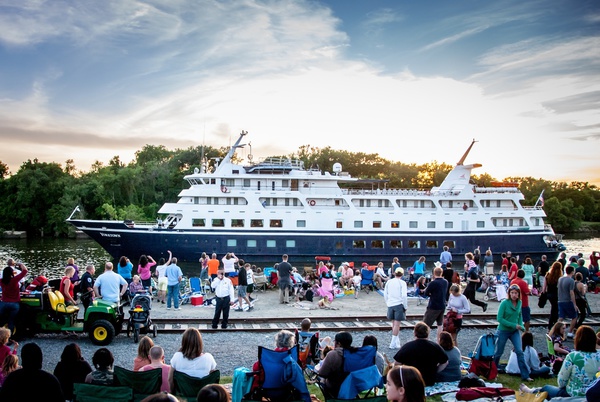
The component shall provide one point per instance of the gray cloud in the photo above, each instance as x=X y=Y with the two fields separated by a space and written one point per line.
x=575 y=103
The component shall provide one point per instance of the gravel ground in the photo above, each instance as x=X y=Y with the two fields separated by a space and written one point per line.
x=236 y=349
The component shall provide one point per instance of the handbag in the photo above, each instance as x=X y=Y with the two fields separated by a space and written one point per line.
x=456 y=278
x=542 y=300
x=527 y=397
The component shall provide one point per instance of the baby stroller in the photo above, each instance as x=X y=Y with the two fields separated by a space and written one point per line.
x=493 y=290
x=139 y=317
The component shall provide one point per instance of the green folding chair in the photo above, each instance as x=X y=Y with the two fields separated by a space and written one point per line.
x=188 y=387
x=143 y=383
x=101 y=393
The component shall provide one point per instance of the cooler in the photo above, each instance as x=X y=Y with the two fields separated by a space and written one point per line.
x=197 y=300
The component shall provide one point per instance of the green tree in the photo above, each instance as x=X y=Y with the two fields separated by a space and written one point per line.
x=564 y=216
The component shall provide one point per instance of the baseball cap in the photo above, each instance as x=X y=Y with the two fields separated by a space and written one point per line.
x=399 y=270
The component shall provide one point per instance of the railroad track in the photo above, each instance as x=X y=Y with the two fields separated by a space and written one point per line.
x=334 y=324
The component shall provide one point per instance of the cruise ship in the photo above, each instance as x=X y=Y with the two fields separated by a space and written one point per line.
x=265 y=209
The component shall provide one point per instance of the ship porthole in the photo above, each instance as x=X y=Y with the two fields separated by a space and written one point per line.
x=312 y=203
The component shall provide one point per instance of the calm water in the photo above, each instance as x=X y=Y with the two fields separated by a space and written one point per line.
x=49 y=256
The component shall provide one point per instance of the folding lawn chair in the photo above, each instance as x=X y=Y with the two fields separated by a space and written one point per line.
x=187 y=387
x=142 y=383
x=367 y=283
x=101 y=393
x=195 y=285
x=260 y=283
x=280 y=378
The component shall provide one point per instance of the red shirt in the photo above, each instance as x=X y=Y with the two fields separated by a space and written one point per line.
x=512 y=272
x=62 y=287
x=524 y=291
x=11 y=292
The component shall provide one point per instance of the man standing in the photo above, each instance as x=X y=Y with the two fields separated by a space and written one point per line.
x=567 y=307
x=284 y=270
x=224 y=293
x=396 y=299
x=543 y=269
x=445 y=256
x=524 y=286
x=427 y=356
x=436 y=291
x=242 y=289
x=110 y=285
x=213 y=266
x=174 y=275
x=87 y=286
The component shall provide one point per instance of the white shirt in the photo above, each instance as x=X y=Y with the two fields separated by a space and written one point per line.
x=532 y=361
x=395 y=293
x=381 y=272
x=460 y=303
x=223 y=287
x=161 y=270
x=199 y=367
x=229 y=264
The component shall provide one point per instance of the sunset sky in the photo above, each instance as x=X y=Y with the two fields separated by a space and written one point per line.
x=414 y=81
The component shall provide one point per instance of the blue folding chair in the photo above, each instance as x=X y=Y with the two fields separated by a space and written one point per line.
x=195 y=285
x=367 y=283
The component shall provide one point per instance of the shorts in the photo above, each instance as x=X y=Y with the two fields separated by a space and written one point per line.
x=567 y=310
x=432 y=316
x=250 y=288
x=147 y=283
x=163 y=282
x=396 y=313
x=241 y=291
x=526 y=311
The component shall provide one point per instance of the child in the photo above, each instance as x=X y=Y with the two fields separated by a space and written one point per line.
x=536 y=369
x=11 y=363
x=5 y=350
x=356 y=280
x=103 y=361
x=557 y=333
x=136 y=285
x=157 y=360
x=143 y=353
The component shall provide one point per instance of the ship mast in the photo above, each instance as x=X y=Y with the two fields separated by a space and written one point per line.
x=462 y=160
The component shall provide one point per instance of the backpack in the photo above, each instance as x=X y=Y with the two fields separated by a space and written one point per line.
x=485 y=347
x=449 y=323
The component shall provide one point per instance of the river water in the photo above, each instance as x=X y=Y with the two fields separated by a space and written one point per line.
x=49 y=256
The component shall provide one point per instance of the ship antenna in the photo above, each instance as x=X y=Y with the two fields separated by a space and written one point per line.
x=462 y=160
x=250 y=156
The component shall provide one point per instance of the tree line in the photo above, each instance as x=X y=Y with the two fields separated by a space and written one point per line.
x=40 y=196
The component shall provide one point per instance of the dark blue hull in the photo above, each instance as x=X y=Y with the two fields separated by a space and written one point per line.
x=302 y=247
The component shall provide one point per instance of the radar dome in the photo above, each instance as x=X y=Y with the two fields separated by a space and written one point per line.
x=337 y=167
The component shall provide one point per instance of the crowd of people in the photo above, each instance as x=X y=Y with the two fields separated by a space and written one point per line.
x=449 y=294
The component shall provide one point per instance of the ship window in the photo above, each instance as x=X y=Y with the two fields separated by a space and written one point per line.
x=196 y=200
x=358 y=244
x=290 y=243
x=301 y=223
x=358 y=224
x=337 y=203
x=414 y=244
x=339 y=224
x=246 y=183
x=413 y=224
x=395 y=243
x=377 y=224
x=199 y=222
x=449 y=243
x=285 y=183
x=213 y=181
x=431 y=225
x=395 y=224
x=251 y=243
x=218 y=223
x=273 y=186
x=275 y=223
x=377 y=244
x=449 y=225
x=237 y=223
x=432 y=244
x=231 y=243
x=256 y=223
x=271 y=243
x=339 y=245
x=480 y=224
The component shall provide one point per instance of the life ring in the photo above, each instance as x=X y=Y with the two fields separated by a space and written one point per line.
x=223 y=189
x=312 y=203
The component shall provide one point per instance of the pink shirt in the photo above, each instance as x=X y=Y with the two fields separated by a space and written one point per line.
x=165 y=375
x=144 y=272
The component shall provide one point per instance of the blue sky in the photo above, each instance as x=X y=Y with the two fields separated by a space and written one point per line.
x=412 y=81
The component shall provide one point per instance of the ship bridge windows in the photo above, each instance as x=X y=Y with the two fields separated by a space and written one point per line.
x=276 y=223
x=414 y=244
x=395 y=224
x=237 y=223
x=198 y=222
x=358 y=244
x=256 y=223
x=431 y=244
x=218 y=223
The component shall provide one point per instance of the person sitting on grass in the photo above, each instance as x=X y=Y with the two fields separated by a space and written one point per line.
x=72 y=368
x=405 y=384
x=11 y=363
x=452 y=371
x=103 y=361
x=157 y=360
x=558 y=336
x=213 y=393
x=536 y=369
x=143 y=353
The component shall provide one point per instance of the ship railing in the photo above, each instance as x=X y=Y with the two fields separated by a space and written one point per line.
x=278 y=161
x=496 y=190
x=387 y=191
x=533 y=208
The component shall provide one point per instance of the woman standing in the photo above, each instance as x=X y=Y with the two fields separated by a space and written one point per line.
x=145 y=263
x=419 y=268
x=67 y=286
x=124 y=269
x=472 y=282
x=529 y=270
x=580 y=300
x=460 y=305
x=11 y=295
x=204 y=266
x=405 y=384
x=551 y=290
x=229 y=262
x=510 y=323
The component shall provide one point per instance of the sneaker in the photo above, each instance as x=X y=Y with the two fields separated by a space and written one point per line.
x=251 y=298
x=570 y=335
x=250 y=308
x=485 y=306
x=238 y=309
x=178 y=308
x=168 y=308
x=163 y=302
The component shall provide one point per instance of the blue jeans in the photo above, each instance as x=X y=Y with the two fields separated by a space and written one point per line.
x=10 y=309
x=173 y=293
x=554 y=392
x=515 y=339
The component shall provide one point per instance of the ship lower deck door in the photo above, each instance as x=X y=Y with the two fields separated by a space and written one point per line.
x=464 y=226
